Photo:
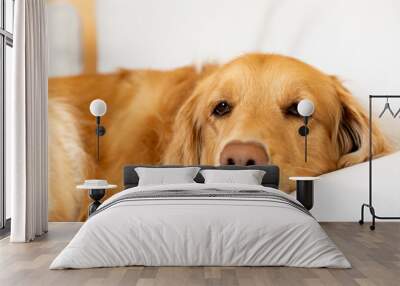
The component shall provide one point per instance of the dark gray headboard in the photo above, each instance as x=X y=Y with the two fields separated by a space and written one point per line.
x=271 y=177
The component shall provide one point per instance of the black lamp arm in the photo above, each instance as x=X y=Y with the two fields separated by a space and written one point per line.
x=100 y=131
x=304 y=131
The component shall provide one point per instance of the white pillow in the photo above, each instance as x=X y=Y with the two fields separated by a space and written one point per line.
x=248 y=177
x=163 y=176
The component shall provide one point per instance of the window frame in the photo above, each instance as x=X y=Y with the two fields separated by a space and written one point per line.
x=6 y=39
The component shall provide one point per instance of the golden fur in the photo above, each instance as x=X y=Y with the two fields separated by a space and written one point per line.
x=165 y=117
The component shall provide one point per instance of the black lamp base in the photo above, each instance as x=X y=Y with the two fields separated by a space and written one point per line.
x=303 y=130
x=100 y=130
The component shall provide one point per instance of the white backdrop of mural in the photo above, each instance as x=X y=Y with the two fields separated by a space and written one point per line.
x=356 y=40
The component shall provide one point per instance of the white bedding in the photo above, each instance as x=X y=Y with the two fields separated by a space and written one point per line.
x=183 y=231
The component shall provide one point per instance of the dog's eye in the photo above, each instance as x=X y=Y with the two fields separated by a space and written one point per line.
x=292 y=110
x=222 y=108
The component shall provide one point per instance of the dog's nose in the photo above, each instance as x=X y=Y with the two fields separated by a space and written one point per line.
x=244 y=154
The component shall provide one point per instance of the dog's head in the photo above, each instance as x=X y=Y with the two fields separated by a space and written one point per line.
x=245 y=113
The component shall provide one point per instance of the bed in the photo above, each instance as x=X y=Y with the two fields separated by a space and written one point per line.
x=201 y=224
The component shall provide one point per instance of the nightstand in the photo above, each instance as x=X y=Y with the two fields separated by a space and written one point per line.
x=97 y=190
x=305 y=190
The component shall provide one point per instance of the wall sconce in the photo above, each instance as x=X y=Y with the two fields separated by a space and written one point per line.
x=305 y=108
x=98 y=108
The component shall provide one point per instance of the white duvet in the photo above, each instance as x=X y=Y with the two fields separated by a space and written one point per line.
x=200 y=231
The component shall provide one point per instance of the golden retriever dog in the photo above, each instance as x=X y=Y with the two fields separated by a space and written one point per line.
x=243 y=112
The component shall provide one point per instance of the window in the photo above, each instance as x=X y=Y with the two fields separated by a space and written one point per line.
x=6 y=44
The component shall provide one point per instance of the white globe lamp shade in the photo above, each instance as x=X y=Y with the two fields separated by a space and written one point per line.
x=305 y=108
x=98 y=107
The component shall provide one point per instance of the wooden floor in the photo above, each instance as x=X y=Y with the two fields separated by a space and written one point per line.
x=375 y=257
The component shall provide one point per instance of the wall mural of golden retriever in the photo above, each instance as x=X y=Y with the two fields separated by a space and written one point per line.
x=242 y=112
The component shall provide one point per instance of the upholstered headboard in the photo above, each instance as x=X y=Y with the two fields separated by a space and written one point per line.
x=270 y=179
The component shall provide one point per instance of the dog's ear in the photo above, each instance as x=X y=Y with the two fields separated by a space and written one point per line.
x=352 y=131
x=185 y=145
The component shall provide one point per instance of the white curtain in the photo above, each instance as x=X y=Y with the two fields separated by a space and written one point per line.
x=26 y=124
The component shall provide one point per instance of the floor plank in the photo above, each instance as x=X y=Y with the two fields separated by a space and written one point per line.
x=375 y=257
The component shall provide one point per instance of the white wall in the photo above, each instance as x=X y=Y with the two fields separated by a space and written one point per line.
x=165 y=34
x=357 y=40
x=65 y=55
x=339 y=195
